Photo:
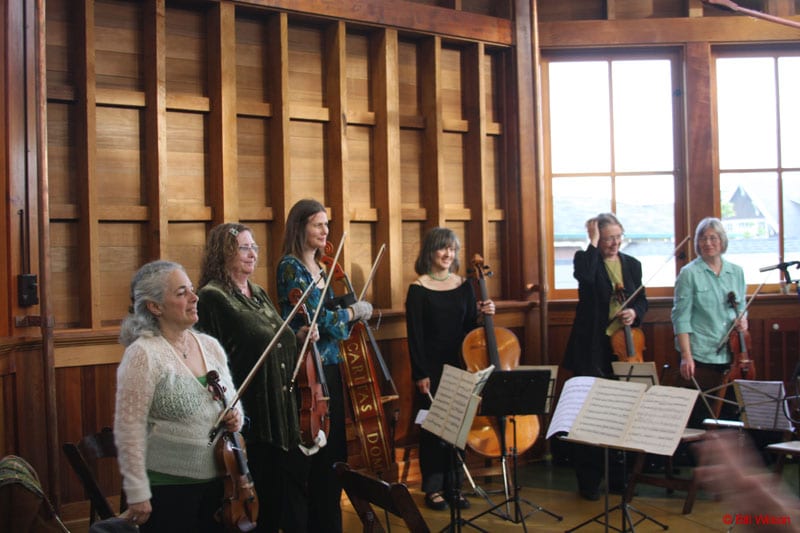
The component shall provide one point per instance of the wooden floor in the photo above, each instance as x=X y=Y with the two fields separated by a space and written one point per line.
x=553 y=488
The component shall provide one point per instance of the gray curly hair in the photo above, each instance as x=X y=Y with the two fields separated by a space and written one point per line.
x=148 y=285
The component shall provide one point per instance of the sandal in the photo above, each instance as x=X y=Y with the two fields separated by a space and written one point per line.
x=435 y=501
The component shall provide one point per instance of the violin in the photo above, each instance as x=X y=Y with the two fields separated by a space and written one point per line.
x=360 y=378
x=742 y=366
x=312 y=387
x=239 y=511
x=627 y=343
x=486 y=346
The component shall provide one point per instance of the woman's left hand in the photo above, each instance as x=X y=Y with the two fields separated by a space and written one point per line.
x=232 y=420
x=303 y=332
x=741 y=324
x=627 y=316
x=486 y=307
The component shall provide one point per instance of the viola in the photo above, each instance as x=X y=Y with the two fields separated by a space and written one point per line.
x=359 y=351
x=742 y=366
x=312 y=387
x=627 y=343
x=239 y=511
x=486 y=346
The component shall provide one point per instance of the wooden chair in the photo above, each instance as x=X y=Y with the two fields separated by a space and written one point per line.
x=87 y=452
x=393 y=497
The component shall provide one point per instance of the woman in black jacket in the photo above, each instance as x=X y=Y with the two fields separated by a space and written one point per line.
x=601 y=270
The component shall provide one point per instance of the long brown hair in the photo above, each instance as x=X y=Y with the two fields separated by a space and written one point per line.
x=222 y=244
x=295 y=235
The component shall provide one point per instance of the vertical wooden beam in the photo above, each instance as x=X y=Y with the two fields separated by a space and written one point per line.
x=694 y=8
x=384 y=48
x=224 y=178
x=701 y=189
x=526 y=218
x=338 y=184
x=89 y=256
x=432 y=162
x=475 y=179
x=278 y=72
x=155 y=126
x=38 y=86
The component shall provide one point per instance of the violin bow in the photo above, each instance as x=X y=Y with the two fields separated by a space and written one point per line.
x=373 y=271
x=724 y=341
x=316 y=314
x=212 y=436
x=653 y=275
x=752 y=12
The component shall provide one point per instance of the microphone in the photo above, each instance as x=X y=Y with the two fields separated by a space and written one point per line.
x=782 y=266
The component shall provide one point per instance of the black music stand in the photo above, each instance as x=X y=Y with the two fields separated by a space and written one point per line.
x=507 y=393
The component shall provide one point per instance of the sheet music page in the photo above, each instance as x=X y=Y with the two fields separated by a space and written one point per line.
x=452 y=401
x=660 y=419
x=607 y=412
x=569 y=404
x=763 y=404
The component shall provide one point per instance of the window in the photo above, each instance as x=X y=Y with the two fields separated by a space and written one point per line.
x=758 y=116
x=612 y=128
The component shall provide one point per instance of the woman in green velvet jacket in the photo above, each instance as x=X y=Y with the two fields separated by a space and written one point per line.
x=241 y=316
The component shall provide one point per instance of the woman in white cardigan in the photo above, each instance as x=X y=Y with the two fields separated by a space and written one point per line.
x=164 y=409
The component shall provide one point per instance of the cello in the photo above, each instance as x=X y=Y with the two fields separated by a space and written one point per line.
x=312 y=387
x=627 y=343
x=486 y=346
x=239 y=511
x=363 y=387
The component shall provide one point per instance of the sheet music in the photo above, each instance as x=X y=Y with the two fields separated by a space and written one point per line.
x=456 y=399
x=606 y=412
x=762 y=404
x=623 y=414
x=569 y=404
x=659 y=422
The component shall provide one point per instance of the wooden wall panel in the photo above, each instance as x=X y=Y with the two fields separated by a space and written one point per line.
x=187 y=52
x=358 y=166
x=306 y=142
x=119 y=49
x=187 y=160
x=121 y=251
x=119 y=158
x=66 y=302
x=359 y=96
x=185 y=245
x=252 y=81
x=306 y=70
x=253 y=167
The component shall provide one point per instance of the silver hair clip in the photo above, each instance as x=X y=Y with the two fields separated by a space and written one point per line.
x=234 y=232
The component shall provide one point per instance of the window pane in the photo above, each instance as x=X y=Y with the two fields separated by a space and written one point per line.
x=749 y=207
x=789 y=87
x=646 y=208
x=642 y=115
x=791 y=221
x=575 y=200
x=746 y=113
x=579 y=117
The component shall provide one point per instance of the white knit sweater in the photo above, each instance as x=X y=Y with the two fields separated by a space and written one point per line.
x=164 y=414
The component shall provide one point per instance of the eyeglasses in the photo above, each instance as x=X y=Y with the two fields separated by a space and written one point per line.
x=709 y=238
x=612 y=238
x=246 y=249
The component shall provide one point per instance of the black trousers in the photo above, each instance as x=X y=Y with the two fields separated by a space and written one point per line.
x=324 y=489
x=279 y=477
x=185 y=508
